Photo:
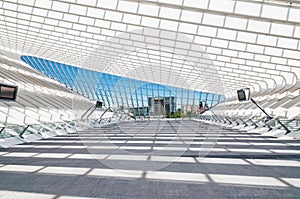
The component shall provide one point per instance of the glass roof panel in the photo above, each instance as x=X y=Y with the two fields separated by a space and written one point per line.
x=141 y=35
x=121 y=92
x=247 y=8
x=196 y=4
x=224 y=5
x=294 y=14
x=281 y=29
x=258 y=26
x=274 y=12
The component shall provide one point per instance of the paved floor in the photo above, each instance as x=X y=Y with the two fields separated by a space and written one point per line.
x=157 y=159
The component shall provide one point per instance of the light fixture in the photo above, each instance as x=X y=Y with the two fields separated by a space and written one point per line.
x=8 y=92
x=243 y=94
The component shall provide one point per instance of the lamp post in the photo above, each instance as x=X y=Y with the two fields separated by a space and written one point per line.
x=244 y=95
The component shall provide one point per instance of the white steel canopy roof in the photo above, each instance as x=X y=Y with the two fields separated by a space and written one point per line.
x=210 y=45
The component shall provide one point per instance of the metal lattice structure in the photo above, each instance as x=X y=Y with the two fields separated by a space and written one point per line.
x=40 y=99
x=139 y=97
x=211 y=45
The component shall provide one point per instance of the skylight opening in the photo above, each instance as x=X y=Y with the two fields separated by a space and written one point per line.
x=38 y=11
x=167 y=34
x=89 y=2
x=219 y=43
x=279 y=60
x=22 y=8
x=64 y=7
x=112 y=15
x=77 y=9
x=169 y=13
x=132 y=19
x=63 y=24
x=227 y=34
x=150 y=22
x=273 y=51
x=246 y=37
x=207 y=31
x=202 y=40
x=9 y=6
x=282 y=29
x=79 y=27
x=10 y=15
x=291 y=54
x=52 y=22
x=24 y=16
x=288 y=43
x=187 y=28
x=95 y=12
x=236 y=23
x=230 y=53
x=255 y=48
x=211 y=19
x=262 y=58
x=56 y=15
x=247 y=8
x=169 y=25
x=102 y=23
x=191 y=16
x=258 y=26
x=196 y=4
x=267 y=40
x=71 y=18
x=110 y=4
x=237 y=46
x=128 y=6
x=294 y=14
x=224 y=5
x=297 y=33
x=274 y=12
x=116 y=26
x=147 y=9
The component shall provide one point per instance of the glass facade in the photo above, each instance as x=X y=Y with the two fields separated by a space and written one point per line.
x=141 y=98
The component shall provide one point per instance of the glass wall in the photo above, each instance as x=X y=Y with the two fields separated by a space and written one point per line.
x=143 y=99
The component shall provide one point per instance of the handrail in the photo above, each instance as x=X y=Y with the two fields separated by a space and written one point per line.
x=272 y=123
x=2 y=128
x=26 y=127
x=21 y=134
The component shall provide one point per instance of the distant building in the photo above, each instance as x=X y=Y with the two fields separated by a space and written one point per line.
x=161 y=105
x=189 y=108
x=140 y=111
